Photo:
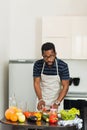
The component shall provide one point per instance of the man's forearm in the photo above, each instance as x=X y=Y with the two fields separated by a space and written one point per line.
x=38 y=92
x=64 y=90
x=37 y=87
x=62 y=94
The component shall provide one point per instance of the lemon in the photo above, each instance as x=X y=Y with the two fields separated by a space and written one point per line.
x=21 y=118
x=19 y=113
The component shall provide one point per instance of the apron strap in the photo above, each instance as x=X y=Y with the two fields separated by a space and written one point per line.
x=57 y=67
x=43 y=68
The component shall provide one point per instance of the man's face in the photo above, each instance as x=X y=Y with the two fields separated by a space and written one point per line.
x=49 y=57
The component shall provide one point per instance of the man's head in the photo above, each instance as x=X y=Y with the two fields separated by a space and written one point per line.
x=48 y=46
x=48 y=53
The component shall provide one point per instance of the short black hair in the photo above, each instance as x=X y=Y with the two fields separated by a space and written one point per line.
x=48 y=46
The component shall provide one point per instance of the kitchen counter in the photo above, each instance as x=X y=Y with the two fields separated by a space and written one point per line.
x=8 y=125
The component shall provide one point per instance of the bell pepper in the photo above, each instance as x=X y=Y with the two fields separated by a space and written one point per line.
x=38 y=115
x=53 y=118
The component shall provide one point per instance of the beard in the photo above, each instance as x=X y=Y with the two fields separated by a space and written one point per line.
x=50 y=63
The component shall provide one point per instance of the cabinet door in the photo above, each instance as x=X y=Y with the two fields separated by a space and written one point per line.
x=62 y=45
x=79 y=37
x=84 y=47
x=68 y=33
x=79 y=47
x=58 y=26
x=76 y=47
x=58 y=30
x=79 y=25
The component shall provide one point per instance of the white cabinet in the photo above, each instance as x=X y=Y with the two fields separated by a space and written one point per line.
x=62 y=45
x=79 y=37
x=79 y=47
x=79 y=25
x=56 y=26
x=68 y=33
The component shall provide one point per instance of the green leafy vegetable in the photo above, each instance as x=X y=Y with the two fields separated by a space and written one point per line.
x=69 y=114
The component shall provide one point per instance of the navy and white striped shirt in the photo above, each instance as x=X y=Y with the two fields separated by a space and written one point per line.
x=62 y=69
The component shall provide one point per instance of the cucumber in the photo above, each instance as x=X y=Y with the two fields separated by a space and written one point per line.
x=45 y=118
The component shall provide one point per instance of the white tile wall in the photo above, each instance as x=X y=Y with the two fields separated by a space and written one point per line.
x=78 y=68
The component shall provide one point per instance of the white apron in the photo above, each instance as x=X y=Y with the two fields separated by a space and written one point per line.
x=50 y=85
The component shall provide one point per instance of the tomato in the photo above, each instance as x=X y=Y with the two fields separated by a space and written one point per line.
x=27 y=114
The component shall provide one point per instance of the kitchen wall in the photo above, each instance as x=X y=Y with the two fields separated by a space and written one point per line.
x=21 y=34
x=4 y=53
x=78 y=68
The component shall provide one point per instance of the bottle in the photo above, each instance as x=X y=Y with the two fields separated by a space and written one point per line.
x=12 y=100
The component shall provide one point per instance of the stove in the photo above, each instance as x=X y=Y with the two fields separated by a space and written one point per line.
x=76 y=95
x=79 y=101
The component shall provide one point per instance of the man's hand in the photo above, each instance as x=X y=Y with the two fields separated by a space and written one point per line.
x=55 y=106
x=41 y=104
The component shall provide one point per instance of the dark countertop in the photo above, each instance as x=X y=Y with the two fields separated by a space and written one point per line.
x=33 y=126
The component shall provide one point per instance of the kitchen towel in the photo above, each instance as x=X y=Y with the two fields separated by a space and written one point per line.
x=77 y=121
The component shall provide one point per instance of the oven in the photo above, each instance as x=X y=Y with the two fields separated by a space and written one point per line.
x=79 y=101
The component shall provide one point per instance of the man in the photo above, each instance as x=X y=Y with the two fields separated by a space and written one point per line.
x=50 y=73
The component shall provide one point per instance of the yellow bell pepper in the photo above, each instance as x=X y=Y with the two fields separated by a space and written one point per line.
x=38 y=115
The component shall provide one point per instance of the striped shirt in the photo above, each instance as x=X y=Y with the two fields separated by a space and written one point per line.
x=63 y=70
